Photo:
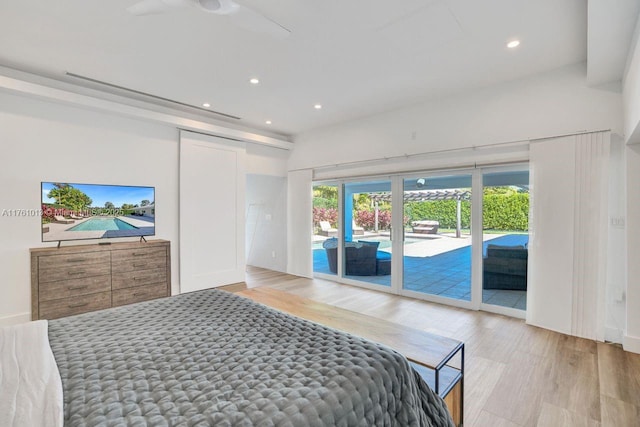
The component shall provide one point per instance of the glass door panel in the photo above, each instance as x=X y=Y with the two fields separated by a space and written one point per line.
x=505 y=224
x=325 y=229
x=437 y=236
x=367 y=232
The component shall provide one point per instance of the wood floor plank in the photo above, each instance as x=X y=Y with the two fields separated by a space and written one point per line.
x=573 y=383
x=487 y=419
x=516 y=374
x=614 y=367
x=482 y=376
x=616 y=413
x=519 y=394
x=554 y=416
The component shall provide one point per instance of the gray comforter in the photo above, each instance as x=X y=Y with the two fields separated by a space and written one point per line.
x=211 y=358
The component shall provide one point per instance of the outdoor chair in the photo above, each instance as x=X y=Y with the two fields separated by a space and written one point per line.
x=63 y=220
x=357 y=231
x=327 y=230
x=425 y=227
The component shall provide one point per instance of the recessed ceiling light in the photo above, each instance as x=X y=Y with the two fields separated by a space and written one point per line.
x=206 y=105
x=318 y=106
x=254 y=81
x=268 y=122
x=513 y=43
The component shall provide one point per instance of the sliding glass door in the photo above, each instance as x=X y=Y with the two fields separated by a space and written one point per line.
x=455 y=238
x=437 y=236
x=505 y=226
x=367 y=232
x=326 y=217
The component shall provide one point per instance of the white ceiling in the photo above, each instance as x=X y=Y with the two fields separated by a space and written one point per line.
x=355 y=57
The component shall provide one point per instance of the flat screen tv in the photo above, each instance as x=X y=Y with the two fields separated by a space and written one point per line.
x=90 y=211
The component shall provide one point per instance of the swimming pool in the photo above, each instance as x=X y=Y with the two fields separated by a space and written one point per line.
x=103 y=224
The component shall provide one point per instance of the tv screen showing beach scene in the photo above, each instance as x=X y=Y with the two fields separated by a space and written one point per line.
x=90 y=211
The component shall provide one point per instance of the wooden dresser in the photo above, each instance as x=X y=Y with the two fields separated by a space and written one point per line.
x=77 y=279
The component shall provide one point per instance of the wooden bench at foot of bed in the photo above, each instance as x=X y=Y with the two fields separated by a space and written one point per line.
x=439 y=360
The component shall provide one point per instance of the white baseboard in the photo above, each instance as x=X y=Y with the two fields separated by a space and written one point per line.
x=15 y=319
x=613 y=335
x=631 y=344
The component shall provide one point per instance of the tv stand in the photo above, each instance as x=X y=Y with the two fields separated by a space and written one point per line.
x=81 y=278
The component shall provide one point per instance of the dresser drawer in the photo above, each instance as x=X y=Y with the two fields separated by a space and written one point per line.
x=75 y=287
x=59 y=261
x=142 y=293
x=73 y=271
x=76 y=305
x=132 y=279
x=139 y=264
x=138 y=253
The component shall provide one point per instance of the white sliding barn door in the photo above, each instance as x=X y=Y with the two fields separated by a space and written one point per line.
x=212 y=223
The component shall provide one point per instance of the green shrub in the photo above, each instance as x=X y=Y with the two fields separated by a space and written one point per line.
x=506 y=212
x=501 y=212
x=443 y=211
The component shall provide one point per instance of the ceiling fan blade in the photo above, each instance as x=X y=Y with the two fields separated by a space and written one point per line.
x=251 y=20
x=154 y=7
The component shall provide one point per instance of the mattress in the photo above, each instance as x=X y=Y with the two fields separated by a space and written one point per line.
x=211 y=358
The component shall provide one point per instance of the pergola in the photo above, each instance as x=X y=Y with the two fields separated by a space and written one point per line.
x=425 y=196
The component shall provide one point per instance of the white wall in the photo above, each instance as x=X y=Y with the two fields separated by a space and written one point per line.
x=632 y=335
x=42 y=141
x=266 y=213
x=545 y=105
x=299 y=223
x=266 y=207
x=615 y=311
x=631 y=102
x=46 y=141
x=631 y=91
x=262 y=160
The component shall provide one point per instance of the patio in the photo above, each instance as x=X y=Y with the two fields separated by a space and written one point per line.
x=440 y=266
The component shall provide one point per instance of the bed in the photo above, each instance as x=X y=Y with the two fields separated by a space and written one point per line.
x=211 y=358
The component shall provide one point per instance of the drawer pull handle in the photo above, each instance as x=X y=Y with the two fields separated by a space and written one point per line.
x=75 y=273
x=78 y=305
x=77 y=288
x=76 y=260
x=138 y=254
x=139 y=294
x=139 y=265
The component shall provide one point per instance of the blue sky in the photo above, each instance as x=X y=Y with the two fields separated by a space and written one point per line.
x=100 y=194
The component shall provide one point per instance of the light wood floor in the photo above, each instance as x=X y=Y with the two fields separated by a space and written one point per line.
x=516 y=375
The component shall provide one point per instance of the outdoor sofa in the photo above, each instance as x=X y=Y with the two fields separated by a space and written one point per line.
x=362 y=258
x=505 y=267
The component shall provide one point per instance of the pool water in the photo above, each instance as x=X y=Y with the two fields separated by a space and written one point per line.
x=102 y=224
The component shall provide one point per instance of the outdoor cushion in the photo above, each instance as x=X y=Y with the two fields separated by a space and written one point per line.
x=331 y=243
x=383 y=263
x=370 y=243
x=500 y=251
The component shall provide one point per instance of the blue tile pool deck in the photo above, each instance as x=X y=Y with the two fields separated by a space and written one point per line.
x=447 y=274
